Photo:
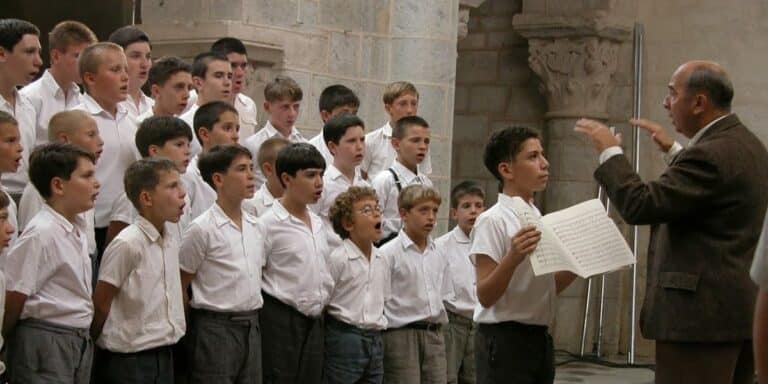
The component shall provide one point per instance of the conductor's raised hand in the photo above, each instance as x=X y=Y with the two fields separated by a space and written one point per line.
x=599 y=133
x=657 y=132
x=524 y=242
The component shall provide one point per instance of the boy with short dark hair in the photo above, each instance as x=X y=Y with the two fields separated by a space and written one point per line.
x=138 y=52
x=467 y=202
x=410 y=138
x=139 y=309
x=296 y=246
x=19 y=64
x=170 y=80
x=10 y=156
x=212 y=78
x=516 y=307
x=57 y=90
x=216 y=123
x=235 y=51
x=7 y=231
x=272 y=189
x=414 y=348
x=222 y=256
x=334 y=100
x=282 y=99
x=354 y=352
x=48 y=292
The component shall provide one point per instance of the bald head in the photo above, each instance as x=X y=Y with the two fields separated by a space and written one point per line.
x=709 y=78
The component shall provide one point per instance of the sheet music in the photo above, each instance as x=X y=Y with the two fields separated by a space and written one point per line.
x=550 y=255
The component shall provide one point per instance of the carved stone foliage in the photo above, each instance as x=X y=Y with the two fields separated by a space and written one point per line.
x=575 y=73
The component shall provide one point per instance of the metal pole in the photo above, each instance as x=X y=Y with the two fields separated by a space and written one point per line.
x=586 y=317
x=638 y=64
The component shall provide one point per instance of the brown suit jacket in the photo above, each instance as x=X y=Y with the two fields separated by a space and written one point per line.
x=706 y=213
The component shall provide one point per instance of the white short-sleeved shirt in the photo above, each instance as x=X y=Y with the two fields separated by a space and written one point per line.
x=456 y=244
x=334 y=184
x=246 y=111
x=31 y=203
x=296 y=269
x=225 y=260
x=48 y=99
x=529 y=299
x=145 y=105
x=2 y=314
x=119 y=136
x=359 y=286
x=319 y=142
x=124 y=212
x=50 y=265
x=148 y=311
x=260 y=202
x=201 y=195
x=387 y=192
x=25 y=114
x=189 y=117
x=254 y=143
x=379 y=153
x=418 y=282
x=759 y=271
x=12 y=219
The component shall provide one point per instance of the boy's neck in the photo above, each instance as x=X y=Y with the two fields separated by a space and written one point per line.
x=58 y=77
x=232 y=208
x=156 y=222
x=295 y=208
x=8 y=90
x=466 y=230
x=157 y=111
x=273 y=190
x=135 y=96
x=419 y=240
x=110 y=108
x=411 y=167
x=366 y=247
x=347 y=170
x=283 y=131
x=67 y=213
x=512 y=191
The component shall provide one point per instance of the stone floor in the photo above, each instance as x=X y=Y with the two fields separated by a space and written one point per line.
x=590 y=373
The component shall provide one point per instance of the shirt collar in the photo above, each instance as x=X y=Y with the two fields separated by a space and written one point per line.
x=333 y=173
x=272 y=132
x=268 y=198
x=148 y=228
x=695 y=139
x=404 y=172
x=283 y=214
x=387 y=130
x=509 y=202
x=406 y=241
x=460 y=236
x=20 y=100
x=65 y=224
x=221 y=219
x=50 y=82
x=94 y=108
x=353 y=252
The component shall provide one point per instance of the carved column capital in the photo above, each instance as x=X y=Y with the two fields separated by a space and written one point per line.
x=464 y=7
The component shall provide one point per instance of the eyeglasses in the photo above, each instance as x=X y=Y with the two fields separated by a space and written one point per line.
x=370 y=210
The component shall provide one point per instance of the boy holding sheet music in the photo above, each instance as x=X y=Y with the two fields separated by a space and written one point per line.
x=513 y=342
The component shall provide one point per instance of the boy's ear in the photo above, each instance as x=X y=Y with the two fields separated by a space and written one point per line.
x=267 y=167
x=505 y=170
x=325 y=115
x=395 y=143
x=453 y=213
x=57 y=186
x=88 y=78
x=197 y=82
x=347 y=224
x=145 y=199
x=331 y=147
x=388 y=108
x=55 y=55
x=154 y=89
x=3 y=54
x=203 y=133
x=217 y=180
x=286 y=178
x=153 y=150
x=266 y=106
x=403 y=213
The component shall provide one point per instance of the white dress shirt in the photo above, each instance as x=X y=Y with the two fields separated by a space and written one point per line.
x=48 y=99
x=260 y=202
x=24 y=113
x=418 y=282
x=201 y=195
x=254 y=143
x=319 y=143
x=225 y=260
x=296 y=271
x=31 y=203
x=456 y=244
x=145 y=105
x=334 y=184
x=189 y=117
x=12 y=219
x=379 y=153
x=387 y=192
x=359 y=285
x=119 y=136
x=148 y=311
x=528 y=299
x=50 y=265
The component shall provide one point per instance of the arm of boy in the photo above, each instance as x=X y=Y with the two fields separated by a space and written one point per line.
x=192 y=252
x=563 y=279
x=118 y=263
x=102 y=303
x=14 y=304
x=493 y=278
x=113 y=230
x=186 y=280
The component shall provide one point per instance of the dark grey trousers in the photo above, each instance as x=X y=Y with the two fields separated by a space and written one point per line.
x=512 y=352
x=152 y=366
x=43 y=352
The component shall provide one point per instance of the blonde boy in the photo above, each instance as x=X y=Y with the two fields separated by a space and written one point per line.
x=272 y=189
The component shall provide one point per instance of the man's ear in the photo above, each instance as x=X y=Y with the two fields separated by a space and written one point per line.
x=700 y=103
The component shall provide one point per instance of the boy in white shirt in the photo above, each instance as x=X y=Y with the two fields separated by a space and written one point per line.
x=212 y=78
x=516 y=307
x=414 y=349
x=57 y=89
x=410 y=138
x=401 y=99
x=7 y=230
x=467 y=201
x=48 y=293
x=222 y=255
x=296 y=281
x=103 y=69
x=354 y=351
x=138 y=52
x=10 y=157
x=271 y=190
x=235 y=51
x=170 y=80
x=216 y=123
x=282 y=99
x=334 y=99
x=139 y=308
x=344 y=135
x=19 y=64
x=158 y=136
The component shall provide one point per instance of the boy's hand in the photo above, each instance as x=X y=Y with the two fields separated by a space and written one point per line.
x=524 y=242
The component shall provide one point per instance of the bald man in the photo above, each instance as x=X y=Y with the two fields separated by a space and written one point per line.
x=705 y=212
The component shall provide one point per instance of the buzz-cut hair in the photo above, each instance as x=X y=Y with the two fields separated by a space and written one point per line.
x=203 y=60
x=269 y=149
x=54 y=160
x=67 y=122
x=218 y=160
x=504 y=145
x=92 y=57
x=342 y=210
x=416 y=194
x=281 y=88
x=13 y=30
x=400 y=130
x=466 y=188
x=127 y=35
x=158 y=130
x=144 y=175
x=164 y=68
x=68 y=33
x=394 y=90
